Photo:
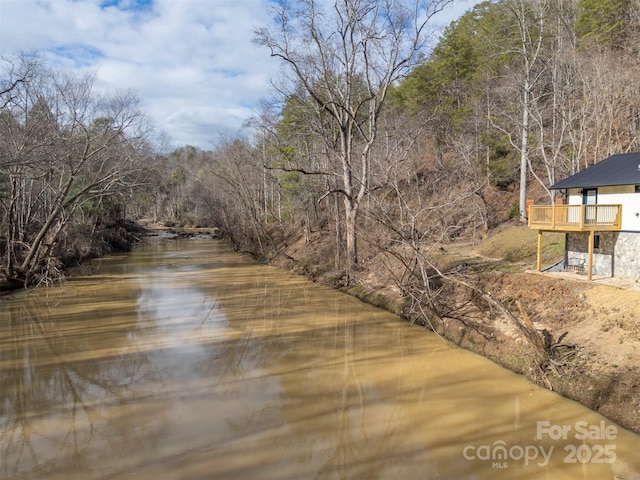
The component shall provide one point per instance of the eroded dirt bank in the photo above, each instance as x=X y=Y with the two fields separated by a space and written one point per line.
x=600 y=321
x=599 y=325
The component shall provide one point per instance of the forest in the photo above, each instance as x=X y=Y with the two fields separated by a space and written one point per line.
x=380 y=141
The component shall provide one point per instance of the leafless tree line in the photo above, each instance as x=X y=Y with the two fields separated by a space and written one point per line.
x=69 y=159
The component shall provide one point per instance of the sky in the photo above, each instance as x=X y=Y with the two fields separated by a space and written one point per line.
x=192 y=63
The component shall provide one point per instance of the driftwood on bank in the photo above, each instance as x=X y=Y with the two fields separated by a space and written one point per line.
x=550 y=356
x=525 y=327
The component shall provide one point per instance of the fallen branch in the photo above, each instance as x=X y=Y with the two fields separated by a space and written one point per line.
x=525 y=327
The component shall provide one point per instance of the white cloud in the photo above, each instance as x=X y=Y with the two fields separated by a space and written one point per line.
x=191 y=62
x=453 y=11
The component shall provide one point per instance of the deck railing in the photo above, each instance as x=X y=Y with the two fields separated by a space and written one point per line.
x=575 y=218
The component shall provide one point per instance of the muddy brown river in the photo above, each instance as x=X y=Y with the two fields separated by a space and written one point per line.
x=183 y=360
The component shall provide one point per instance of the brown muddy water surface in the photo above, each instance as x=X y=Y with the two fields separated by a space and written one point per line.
x=183 y=360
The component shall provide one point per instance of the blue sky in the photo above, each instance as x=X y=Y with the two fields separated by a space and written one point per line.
x=191 y=62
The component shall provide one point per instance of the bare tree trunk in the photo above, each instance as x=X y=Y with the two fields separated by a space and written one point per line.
x=530 y=18
x=351 y=217
x=12 y=224
x=524 y=153
x=336 y=209
x=29 y=261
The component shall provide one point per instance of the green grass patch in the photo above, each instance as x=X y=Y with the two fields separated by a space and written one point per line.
x=520 y=243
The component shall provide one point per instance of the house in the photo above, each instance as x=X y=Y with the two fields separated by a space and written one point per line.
x=600 y=215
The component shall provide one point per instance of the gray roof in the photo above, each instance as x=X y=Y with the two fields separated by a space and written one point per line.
x=619 y=169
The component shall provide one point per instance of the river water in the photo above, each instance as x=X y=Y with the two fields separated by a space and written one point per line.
x=183 y=360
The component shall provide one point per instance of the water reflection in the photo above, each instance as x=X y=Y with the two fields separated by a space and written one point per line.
x=184 y=360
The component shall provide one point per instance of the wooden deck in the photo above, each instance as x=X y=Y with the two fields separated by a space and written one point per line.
x=575 y=218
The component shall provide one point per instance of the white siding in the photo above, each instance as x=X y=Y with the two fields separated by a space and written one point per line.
x=574 y=196
x=623 y=195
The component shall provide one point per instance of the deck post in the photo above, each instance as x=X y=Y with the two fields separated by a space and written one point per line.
x=592 y=235
x=539 y=257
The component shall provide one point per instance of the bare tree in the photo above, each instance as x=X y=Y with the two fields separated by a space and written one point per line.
x=62 y=147
x=346 y=56
x=553 y=115
x=530 y=19
x=18 y=71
